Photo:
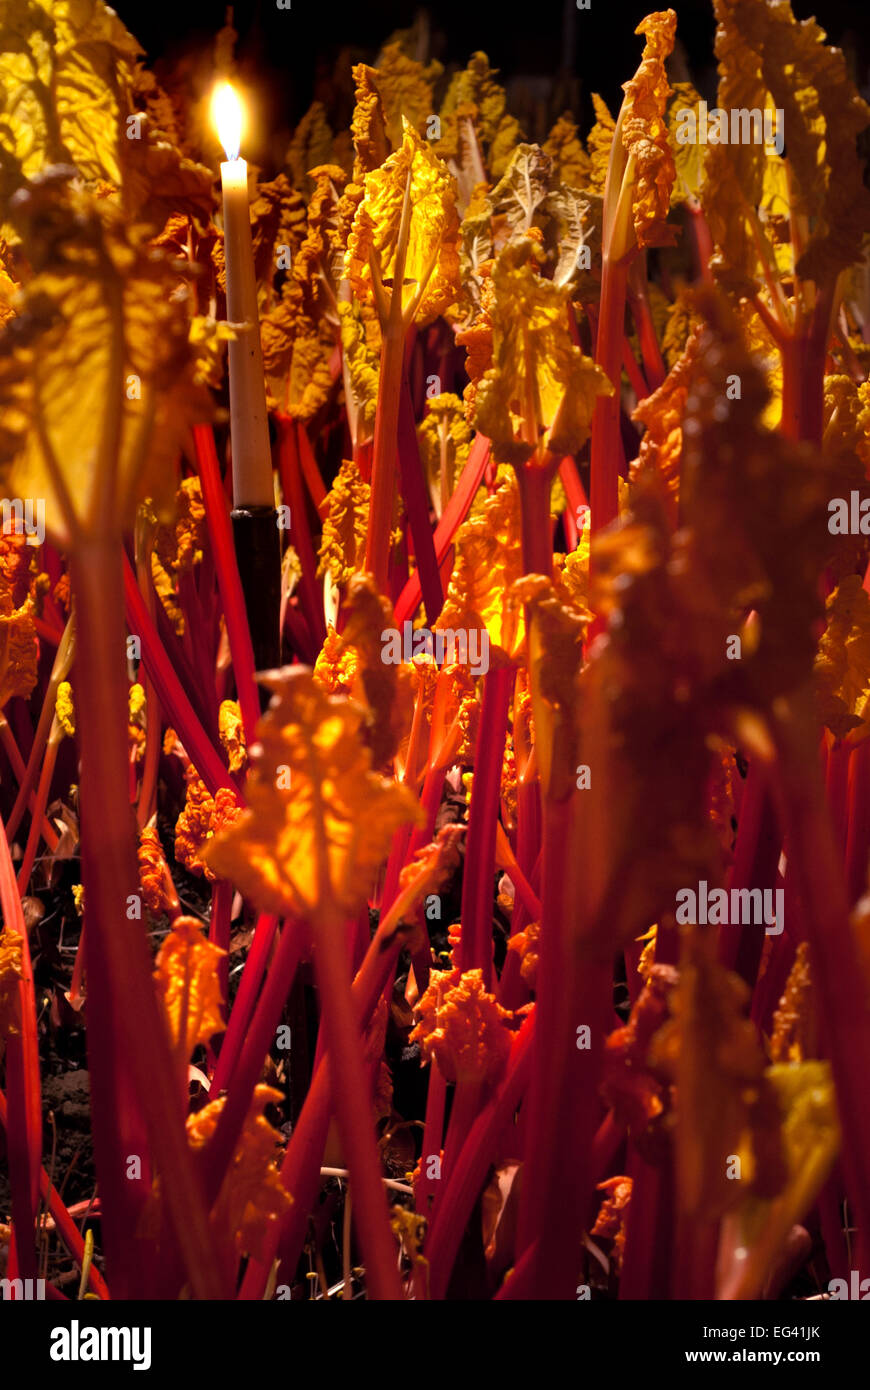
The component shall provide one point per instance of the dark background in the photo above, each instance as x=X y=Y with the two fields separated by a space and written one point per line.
x=551 y=55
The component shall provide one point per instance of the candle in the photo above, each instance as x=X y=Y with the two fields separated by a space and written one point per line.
x=249 y=428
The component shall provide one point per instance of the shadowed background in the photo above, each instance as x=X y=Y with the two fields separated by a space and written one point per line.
x=551 y=55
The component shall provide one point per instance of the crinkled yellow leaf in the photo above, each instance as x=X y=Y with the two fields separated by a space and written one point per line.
x=792 y=1036
x=70 y=77
x=66 y=68
x=433 y=247
x=252 y=1197
x=96 y=383
x=661 y=447
x=180 y=544
x=809 y=1135
x=296 y=355
x=232 y=733
x=847 y=418
x=309 y=380
x=540 y=393
x=763 y=53
x=677 y=327
x=202 y=816
x=476 y=338
x=505 y=141
x=406 y=91
x=188 y=985
x=488 y=562
x=476 y=87
x=15 y=568
x=19 y=653
x=370 y=143
x=645 y=133
x=166 y=592
x=360 y=345
x=11 y=975
x=444 y=439
x=711 y=1049
x=556 y=634
x=154 y=876
x=277 y=213
x=522 y=188
x=311 y=145
x=342 y=546
x=207 y=339
x=8 y=285
x=462 y=1027
x=574 y=226
x=368 y=127
x=65 y=709
x=319 y=821
x=571 y=163
x=385 y=686
x=842 y=665
x=449 y=701
x=823 y=117
x=318 y=264
x=766 y=356
x=598 y=145
x=476 y=130
x=688 y=154
x=335 y=669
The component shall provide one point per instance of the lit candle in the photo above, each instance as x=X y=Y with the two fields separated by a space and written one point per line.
x=249 y=428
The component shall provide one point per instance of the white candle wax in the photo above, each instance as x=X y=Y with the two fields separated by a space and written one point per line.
x=249 y=428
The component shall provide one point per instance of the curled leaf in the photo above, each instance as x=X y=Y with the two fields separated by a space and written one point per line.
x=431 y=279
x=488 y=562
x=540 y=393
x=96 y=372
x=188 y=985
x=650 y=170
x=11 y=975
x=319 y=821
x=232 y=733
x=842 y=665
x=462 y=1027
x=342 y=545
x=252 y=1198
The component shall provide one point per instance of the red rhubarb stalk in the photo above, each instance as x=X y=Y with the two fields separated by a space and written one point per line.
x=178 y=708
x=468 y=1175
x=127 y=1038
x=244 y=1002
x=300 y=535
x=24 y=1132
x=836 y=968
x=475 y=947
x=300 y=1171
x=354 y=1114
x=416 y=503
x=393 y=331
x=454 y=515
x=227 y=570
x=247 y=1071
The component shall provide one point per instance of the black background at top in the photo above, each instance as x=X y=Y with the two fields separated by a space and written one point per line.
x=287 y=53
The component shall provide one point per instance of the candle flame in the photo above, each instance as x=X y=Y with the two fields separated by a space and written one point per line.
x=226 y=110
